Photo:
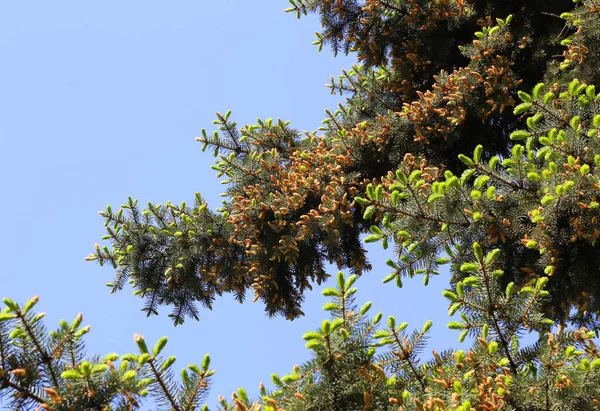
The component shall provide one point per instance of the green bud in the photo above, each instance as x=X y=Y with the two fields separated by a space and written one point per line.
x=12 y=306
x=456 y=325
x=450 y=295
x=314 y=344
x=379 y=192
x=416 y=174
x=510 y=290
x=460 y=289
x=585 y=364
x=361 y=201
x=401 y=176
x=477 y=153
x=521 y=108
x=524 y=96
x=99 y=368
x=481 y=181
x=82 y=332
x=185 y=377
x=541 y=283
x=377 y=318
x=168 y=363
x=453 y=309
x=158 y=347
x=30 y=304
x=369 y=212
x=466 y=160
x=485 y=331
x=478 y=251
x=585 y=169
x=330 y=292
x=466 y=175
x=548 y=97
x=206 y=362
x=365 y=308
x=471 y=281
x=71 y=374
x=469 y=267
x=129 y=375
x=574 y=123
x=391 y=381
x=531 y=244
x=537 y=90
x=493 y=162
x=326 y=327
x=547 y=199
x=312 y=335
x=389 y=277
x=519 y=135
x=331 y=307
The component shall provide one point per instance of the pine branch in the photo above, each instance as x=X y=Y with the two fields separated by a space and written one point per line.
x=163 y=387
x=45 y=358
x=497 y=328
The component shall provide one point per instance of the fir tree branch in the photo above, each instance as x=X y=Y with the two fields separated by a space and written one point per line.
x=406 y=353
x=502 y=180
x=23 y=392
x=198 y=386
x=419 y=216
x=162 y=385
x=46 y=359
x=231 y=132
x=492 y=313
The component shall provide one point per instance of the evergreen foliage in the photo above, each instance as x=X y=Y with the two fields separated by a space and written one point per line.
x=44 y=370
x=427 y=91
x=364 y=363
x=478 y=151
x=540 y=200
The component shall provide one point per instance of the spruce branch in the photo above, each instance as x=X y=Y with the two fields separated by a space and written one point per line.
x=80 y=383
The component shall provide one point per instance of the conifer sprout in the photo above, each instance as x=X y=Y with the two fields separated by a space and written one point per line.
x=465 y=121
x=41 y=370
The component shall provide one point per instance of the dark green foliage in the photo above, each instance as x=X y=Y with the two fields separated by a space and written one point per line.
x=538 y=203
x=426 y=90
x=174 y=248
x=417 y=40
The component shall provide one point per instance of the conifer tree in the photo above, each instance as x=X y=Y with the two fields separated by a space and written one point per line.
x=41 y=370
x=426 y=93
x=366 y=363
x=478 y=152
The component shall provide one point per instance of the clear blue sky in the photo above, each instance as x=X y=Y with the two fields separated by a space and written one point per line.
x=102 y=100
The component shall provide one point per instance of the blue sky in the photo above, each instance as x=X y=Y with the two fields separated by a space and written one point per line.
x=103 y=100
